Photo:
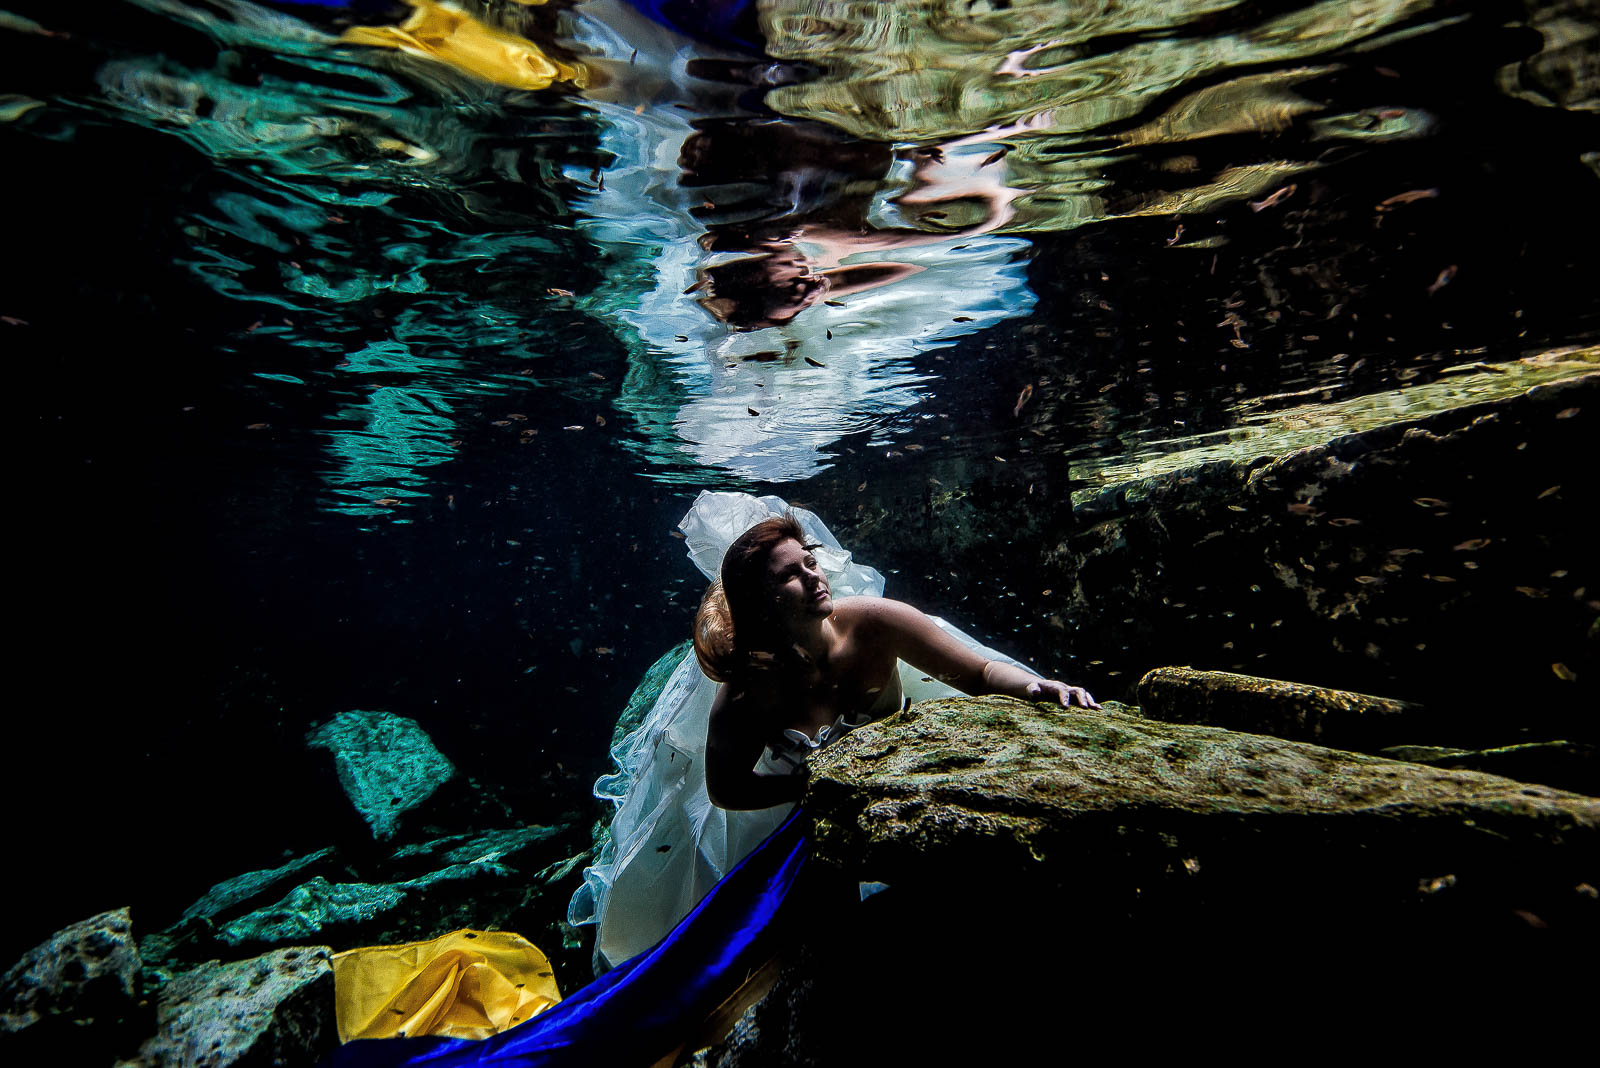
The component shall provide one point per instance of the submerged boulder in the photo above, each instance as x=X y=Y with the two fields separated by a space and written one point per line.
x=275 y=1009
x=1562 y=764
x=387 y=764
x=75 y=994
x=1285 y=709
x=1157 y=821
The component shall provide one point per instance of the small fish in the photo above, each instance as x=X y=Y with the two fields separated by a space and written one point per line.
x=834 y=303
x=861 y=487
x=633 y=56
x=1530 y=591
x=599 y=420
x=1443 y=279
x=962 y=319
x=663 y=849
x=521 y=417
x=830 y=336
x=557 y=291
x=1430 y=502
x=680 y=337
x=1407 y=197
x=752 y=411
x=694 y=287
x=597 y=376
x=1275 y=199
x=815 y=363
x=258 y=426
x=1470 y=544
x=1549 y=492
x=1237 y=508
x=994 y=157
x=1343 y=522
x=574 y=426
x=387 y=501
x=1403 y=552
x=1022 y=399
x=1440 y=578
x=1567 y=413
x=12 y=320
x=1303 y=508
x=1564 y=673
x=1176 y=234
x=913 y=448
x=1368 y=580
x=500 y=422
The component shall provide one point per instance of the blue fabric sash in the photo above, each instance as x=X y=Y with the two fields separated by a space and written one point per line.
x=646 y=1007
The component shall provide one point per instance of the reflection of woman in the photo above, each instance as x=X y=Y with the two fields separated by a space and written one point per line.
x=792 y=265
x=801 y=669
x=808 y=650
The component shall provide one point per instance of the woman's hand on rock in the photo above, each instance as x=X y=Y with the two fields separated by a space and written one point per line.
x=1060 y=693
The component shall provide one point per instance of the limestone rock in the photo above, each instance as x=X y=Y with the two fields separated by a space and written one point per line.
x=83 y=975
x=1285 y=709
x=387 y=764
x=1150 y=822
x=1565 y=765
x=275 y=1009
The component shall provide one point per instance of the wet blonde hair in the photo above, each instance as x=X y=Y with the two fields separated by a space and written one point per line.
x=734 y=617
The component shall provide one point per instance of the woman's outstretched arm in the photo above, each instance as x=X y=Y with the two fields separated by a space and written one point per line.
x=918 y=641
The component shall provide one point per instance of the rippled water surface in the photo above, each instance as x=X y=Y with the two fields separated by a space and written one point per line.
x=372 y=350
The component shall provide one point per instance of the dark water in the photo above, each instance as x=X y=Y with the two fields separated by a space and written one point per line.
x=360 y=379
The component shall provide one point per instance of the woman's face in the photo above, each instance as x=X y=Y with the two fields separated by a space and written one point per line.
x=798 y=590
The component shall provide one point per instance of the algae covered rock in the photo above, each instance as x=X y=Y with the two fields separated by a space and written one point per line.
x=1148 y=822
x=275 y=1009
x=387 y=764
x=1562 y=764
x=1285 y=709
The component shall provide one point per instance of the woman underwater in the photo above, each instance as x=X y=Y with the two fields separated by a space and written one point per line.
x=794 y=646
x=801 y=669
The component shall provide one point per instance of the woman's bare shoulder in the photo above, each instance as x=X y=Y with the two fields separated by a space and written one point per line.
x=875 y=612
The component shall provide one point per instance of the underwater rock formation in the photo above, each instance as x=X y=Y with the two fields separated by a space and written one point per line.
x=84 y=974
x=276 y=1009
x=1565 y=765
x=1283 y=709
x=387 y=764
x=1030 y=849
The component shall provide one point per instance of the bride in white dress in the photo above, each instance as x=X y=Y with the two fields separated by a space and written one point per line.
x=818 y=652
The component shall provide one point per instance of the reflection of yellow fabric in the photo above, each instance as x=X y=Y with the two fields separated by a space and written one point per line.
x=444 y=32
x=466 y=984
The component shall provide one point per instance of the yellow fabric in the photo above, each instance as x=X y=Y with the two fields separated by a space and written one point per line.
x=446 y=33
x=466 y=984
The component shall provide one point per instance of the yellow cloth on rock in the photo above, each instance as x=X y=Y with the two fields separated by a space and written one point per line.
x=448 y=34
x=466 y=984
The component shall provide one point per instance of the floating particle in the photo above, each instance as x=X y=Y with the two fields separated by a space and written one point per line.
x=1564 y=673
x=815 y=363
x=1471 y=544
x=1046 y=592
x=1173 y=240
x=599 y=420
x=861 y=487
x=1022 y=399
x=1275 y=199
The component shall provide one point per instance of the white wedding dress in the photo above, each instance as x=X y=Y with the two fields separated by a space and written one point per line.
x=669 y=844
